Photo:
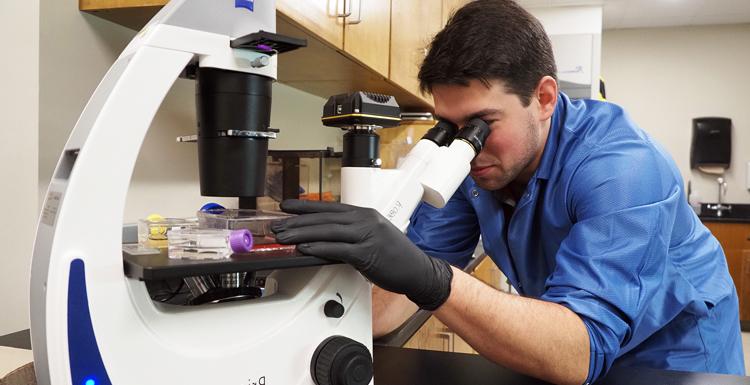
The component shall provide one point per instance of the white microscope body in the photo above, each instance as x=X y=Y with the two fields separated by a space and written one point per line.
x=93 y=325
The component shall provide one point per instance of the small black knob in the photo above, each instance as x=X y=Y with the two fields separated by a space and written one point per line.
x=340 y=360
x=333 y=309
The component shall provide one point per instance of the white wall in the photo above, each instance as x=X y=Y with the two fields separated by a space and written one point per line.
x=78 y=48
x=665 y=77
x=576 y=37
x=19 y=37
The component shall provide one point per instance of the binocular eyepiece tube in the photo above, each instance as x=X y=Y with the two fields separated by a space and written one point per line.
x=474 y=133
x=450 y=166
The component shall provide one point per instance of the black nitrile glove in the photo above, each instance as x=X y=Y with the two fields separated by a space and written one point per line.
x=366 y=240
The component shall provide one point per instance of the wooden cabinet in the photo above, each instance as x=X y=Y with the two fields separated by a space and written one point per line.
x=359 y=27
x=743 y=290
x=348 y=44
x=324 y=18
x=413 y=25
x=735 y=240
x=130 y=13
x=450 y=6
x=375 y=45
x=396 y=142
x=367 y=33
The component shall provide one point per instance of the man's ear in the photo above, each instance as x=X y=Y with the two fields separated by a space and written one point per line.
x=546 y=93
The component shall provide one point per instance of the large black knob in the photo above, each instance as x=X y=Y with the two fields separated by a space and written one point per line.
x=340 y=360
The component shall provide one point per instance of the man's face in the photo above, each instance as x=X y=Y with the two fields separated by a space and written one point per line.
x=517 y=136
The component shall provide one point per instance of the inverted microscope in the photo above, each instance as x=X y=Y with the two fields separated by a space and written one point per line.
x=94 y=317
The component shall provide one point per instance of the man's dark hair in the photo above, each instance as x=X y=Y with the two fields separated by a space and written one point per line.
x=488 y=40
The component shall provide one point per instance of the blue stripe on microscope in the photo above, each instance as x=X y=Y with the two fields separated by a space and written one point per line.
x=244 y=4
x=86 y=366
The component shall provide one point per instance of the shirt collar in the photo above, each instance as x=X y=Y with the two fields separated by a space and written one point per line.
x=544 y=169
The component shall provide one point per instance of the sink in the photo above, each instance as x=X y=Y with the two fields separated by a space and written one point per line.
x=739 y=212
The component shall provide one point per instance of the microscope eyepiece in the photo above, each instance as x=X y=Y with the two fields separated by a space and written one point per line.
x=475 y=133
x=442 y=133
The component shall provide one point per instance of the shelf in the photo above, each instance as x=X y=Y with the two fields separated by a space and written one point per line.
x=320 y=69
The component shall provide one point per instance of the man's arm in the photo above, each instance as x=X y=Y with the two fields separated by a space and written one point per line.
x=389 y=311
x=542 y=339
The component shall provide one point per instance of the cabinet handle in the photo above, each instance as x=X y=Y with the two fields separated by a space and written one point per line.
x=448 y=336
x=346 y=12
x=359 y=14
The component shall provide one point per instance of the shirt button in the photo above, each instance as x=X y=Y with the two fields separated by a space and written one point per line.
x=474 y=193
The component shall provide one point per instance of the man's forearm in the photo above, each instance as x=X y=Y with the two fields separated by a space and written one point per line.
x=542 y=339
x=389 y=310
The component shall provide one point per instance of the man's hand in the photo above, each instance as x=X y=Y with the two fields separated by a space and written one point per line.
x=366 y=240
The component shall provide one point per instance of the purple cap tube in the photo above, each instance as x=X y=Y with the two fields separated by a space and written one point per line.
x=241 y=241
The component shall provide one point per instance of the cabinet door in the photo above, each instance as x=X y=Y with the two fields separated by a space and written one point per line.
x=413 y=25
x=735 y=240
x=743 y=288
x=367 y=33
x=450 y=6
x=321 y=17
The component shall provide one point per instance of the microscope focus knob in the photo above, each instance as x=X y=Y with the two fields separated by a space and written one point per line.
x=340 y=360
x=333 y=309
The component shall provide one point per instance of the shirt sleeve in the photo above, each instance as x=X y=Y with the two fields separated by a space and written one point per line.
x=450 y=233
x=622 y=199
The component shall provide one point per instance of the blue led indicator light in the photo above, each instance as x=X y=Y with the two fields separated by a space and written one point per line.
x=244 y=4
x=89 y=381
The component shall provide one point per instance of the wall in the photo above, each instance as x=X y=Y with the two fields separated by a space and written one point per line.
x=78 y=48
x=576 y=37
x=19 y=105
x=665 y=77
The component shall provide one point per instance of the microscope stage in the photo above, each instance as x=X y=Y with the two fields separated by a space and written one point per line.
x=158 y=266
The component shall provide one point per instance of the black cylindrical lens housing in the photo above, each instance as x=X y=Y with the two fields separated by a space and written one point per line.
x=442 y=133
x=361 y=149
x=475 y=133
x=230 y=100
x=232 y=166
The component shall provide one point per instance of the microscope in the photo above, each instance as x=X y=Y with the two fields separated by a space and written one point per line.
x=93 y=318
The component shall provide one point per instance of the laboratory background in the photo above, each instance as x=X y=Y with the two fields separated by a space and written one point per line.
x=678 y=67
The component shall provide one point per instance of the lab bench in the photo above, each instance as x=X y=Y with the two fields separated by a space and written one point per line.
x=399 y=366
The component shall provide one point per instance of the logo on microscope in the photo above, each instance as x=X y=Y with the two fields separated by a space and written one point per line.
x=247 y=4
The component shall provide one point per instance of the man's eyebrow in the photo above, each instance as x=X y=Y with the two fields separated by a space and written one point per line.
x=484 y=112
x=478 y=114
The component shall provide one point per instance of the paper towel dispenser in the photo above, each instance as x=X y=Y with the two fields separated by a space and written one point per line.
x=711 y=148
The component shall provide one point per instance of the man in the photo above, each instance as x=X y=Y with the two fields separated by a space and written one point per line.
x=582 y=211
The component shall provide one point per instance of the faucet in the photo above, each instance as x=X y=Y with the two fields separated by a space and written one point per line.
x=719 y=207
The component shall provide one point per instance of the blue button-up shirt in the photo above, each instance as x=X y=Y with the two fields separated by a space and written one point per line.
x=604 y=229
